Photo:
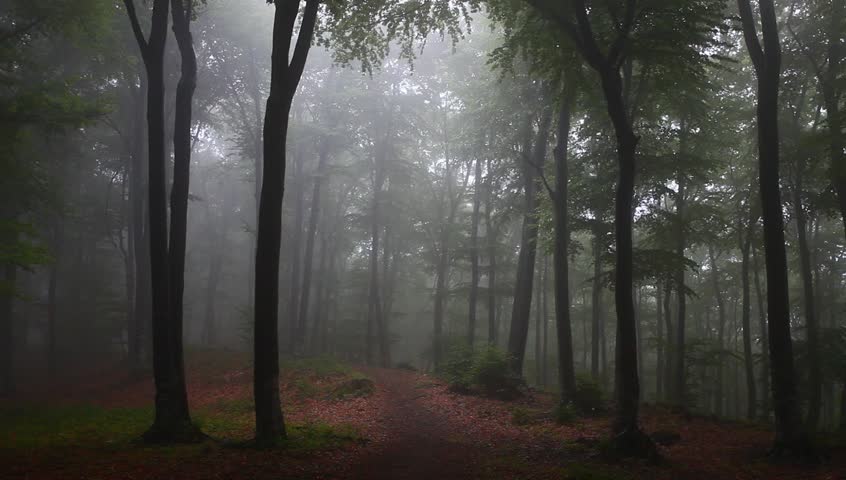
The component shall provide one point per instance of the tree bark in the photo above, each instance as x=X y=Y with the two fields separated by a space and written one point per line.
x=560 y=259
x=721 y=328
x=765 y=351
x=474 y=253
x=490 y=236
x=749 y=364
x=521 y=309
x=680 y=382
x=314 y=215
x=790 y=436
x=596 y=302
x=285 y=76
x=7 y=302
x=811 y=321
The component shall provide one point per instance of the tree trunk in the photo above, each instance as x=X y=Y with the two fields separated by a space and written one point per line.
x=139 y=241
x=179 y=204
x=285 y=76
x=765 y=351
x=314 y=215
x=538 y=321
x=7 y=302
x=490 y=236
x=560 y=259
x=659 y=351
x=680 y=383
x=751 y=397
x=374 y=308
x=815 y=371
x=668 y=356
x=474 y=253
x=767 y=60
x=596 y=302
x=721 y=311
x=296 y=260
x=521 y=309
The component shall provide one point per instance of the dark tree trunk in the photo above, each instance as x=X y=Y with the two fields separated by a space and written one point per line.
x=560 y=259
x=545 y=308
x=721 y=311
x=596 y=302
x=314 y=215
x=7 y=302
x=285 y=76
x=490 y=236
x=374 y=306
x=749 y=364
x=659 y=351
x=295 y=259
x=179 y=202
x=811 y=322
x=52 y=300
x=668 y=356
x=765 y=351
x=474 y=253
x=680 y=382
x=790 y=436
x=139 y=241
x=172 y=422
x=538 y=321
x=521 y=309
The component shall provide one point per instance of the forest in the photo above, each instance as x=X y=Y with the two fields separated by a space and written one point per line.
x=423 y=239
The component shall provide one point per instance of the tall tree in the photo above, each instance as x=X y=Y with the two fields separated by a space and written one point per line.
x=286 y=71
x=766 y=58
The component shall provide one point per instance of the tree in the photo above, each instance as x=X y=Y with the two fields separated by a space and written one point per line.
x=766 y=57
x=286 y=71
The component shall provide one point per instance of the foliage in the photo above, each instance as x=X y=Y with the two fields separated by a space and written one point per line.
x=588 y=397
x=485 y=368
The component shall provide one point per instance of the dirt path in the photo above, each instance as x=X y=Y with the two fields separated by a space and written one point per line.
x=420 y=443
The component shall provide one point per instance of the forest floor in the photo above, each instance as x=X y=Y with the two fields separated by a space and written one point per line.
x=403 y=425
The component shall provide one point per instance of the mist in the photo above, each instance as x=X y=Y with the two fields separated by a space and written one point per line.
x=401 y=239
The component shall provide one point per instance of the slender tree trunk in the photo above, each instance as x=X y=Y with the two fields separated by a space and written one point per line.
x=668 y=356
x=295 y=258
x=767 y=61
x=474 y=253
x=545 y=341
x=374 y=309
x=765 y=351
x=139 y=242
x=751 y=394
x=521 y=309
x=7 y=302
x=538 y=321
x=490 y=236
x=52 y=300
x=680 y=383
x=308 y=261
x=179 y=201
x=596 y=302
x=811 y=323
x=721 y=311
x=560 y=259
x=270 y=425
x=659 y=362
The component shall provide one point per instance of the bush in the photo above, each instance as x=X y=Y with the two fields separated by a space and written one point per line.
x=406 y=366
x=521 y=417
x=588 y=398
x=458 y=366
x=489 y=370
x=486 y=369
x=565 y=414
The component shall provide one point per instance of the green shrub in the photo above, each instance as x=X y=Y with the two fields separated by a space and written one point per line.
x=588 y=397
x=489 y=370
x=486 y=369
x=520 y=416
x=565 y=413
x=458 y=366
x=406 y=366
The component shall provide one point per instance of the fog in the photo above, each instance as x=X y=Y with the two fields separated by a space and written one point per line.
x=638 y=219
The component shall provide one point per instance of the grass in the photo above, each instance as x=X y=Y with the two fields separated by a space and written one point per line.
x=323 y=366
x=34 y=427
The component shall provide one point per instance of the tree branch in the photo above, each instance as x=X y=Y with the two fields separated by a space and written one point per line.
x=750 y=34
x=136 y=27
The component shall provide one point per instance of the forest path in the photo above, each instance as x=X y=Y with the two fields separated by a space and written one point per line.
x=420 y=441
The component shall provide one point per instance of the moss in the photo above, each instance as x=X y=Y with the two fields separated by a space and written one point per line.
x=79 y=425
